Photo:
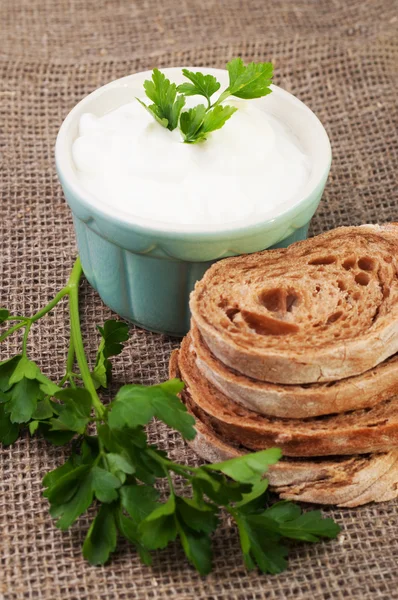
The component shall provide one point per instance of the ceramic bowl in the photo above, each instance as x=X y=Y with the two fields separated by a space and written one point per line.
x=144 y=270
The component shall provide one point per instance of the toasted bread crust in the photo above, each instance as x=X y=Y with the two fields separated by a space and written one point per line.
x=356 y=432
x=295 y=401
x=349 y=482
x=321 y=310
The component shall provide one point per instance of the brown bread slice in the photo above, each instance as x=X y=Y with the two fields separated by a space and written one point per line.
x=349 y=482
x=356 y=432
x=297 y=401
x=321 y=310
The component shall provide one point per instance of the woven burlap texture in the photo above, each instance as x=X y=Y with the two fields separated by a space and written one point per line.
x=341 y=58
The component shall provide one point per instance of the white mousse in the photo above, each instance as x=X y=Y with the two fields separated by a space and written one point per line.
x=252 y=166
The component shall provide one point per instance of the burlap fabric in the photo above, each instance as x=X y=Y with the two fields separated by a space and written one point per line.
x=341 y=58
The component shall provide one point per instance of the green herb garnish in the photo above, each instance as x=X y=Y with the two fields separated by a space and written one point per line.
x=167 y=104
x=251 y=81
x=116 y=470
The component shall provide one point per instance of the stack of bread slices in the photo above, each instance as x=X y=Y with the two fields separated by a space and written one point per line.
x=297 y=348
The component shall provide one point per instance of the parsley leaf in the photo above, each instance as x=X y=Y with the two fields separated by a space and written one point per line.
x=44 y=410
x=56 y=437
x=211 y=120
x=8 y=431
x=139 y=501
x=119 y=465
x=191 y=121
x=101 y=538
x=132 y=442
x=201 y=516
x=159 y=527
x=167 y=104
x=248 y=467
x=251 y=81
x=24 y=369
x=202 y=85
x=136 y=405
x=310 y=526
x=4 y=314
x=129 y=530
x=218 y=487
x=70 y=495
x=24 y=396
x=261 y=534
x=74 y=412
x=256 y=498
x=104 y=484
x=113 y=333
x=192 y=523
x=7 y=368
x=28 y=369
x=197 y=547
x=261 y=547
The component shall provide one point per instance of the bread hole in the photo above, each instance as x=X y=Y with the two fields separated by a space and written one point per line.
x=341 y=285
x=362 y=278
x=366 y=263
x=336 y=335
x=278 y=300
x=349 y=263
x=318 y=288
x=265 y=325
x=334 y=317
x=273 y=300
x=291 y=302
x=231 y=313
x=356 y=296
x=323 y=260
x=386 y=292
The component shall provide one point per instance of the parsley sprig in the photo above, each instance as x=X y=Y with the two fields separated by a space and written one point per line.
x=116 y=472
x=247 y=82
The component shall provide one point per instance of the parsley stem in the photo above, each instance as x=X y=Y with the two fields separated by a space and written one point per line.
x=76 y=334
x=169 y=464
x=12 y=330
x=46 y=309
x=170 y=481
x=25 y=338
x=16 y=318
x=221 y=98
x=71 y=357
x=69 y=365
x=29 y=320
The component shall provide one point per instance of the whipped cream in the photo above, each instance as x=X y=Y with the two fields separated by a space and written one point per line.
x=252 y=166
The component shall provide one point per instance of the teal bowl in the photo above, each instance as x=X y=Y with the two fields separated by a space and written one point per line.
x=144 y=270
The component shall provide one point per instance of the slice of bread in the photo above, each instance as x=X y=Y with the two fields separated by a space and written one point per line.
x=348 y=482
x=321 y=310
x=356 y=432
x=298 y=401
x=343 y=481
